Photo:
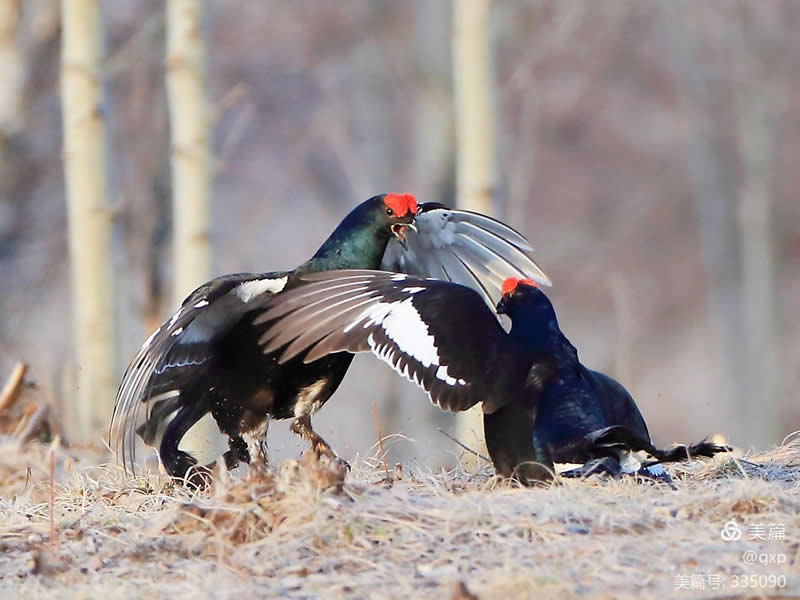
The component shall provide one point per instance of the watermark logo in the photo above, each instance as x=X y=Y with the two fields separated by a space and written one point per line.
x=772 y=532
x=765 y=558
x=731 y=532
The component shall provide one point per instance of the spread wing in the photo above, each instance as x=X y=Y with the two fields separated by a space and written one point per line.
x=439 y=335
x=463 y=247
x=179 y=352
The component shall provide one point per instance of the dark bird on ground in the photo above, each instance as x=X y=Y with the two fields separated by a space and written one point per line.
x=540 y=404
x=205 y=361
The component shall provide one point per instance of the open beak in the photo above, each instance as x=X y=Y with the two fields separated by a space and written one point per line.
x=399 y=232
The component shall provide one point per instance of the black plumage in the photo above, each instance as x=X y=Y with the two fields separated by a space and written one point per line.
x=540 y=404
x=206 y=358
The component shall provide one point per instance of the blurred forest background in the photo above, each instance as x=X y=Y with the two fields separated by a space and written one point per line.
x=645 y=148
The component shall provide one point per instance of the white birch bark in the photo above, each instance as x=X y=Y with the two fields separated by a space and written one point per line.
x=88 y=211
x=472 y=77
x=191 y=158
x=191 y=162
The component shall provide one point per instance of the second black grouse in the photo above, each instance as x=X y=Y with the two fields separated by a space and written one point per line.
x=540 y=404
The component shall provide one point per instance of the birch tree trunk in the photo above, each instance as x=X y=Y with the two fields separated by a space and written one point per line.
x=11 y=68
x=737 y=245
x=758 y=109
x=191 y=160
x=472 y=77
x=12 y=74
x=756 y=135
x=88 y=211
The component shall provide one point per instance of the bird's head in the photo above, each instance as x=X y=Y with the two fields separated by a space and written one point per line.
x=521 y=295
x=398 y=211
x=385 y=215
x=360 y=240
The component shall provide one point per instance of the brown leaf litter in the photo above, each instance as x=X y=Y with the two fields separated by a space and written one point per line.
x=312 y=529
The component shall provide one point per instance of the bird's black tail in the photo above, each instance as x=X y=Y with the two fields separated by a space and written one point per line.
x=682 y=452
x=623 y=437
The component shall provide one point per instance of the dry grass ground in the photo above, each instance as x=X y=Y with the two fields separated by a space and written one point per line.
x=301 y=532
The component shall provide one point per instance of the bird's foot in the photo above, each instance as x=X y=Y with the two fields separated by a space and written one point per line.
x=605 y=465
x=256 y=453
x=533 y=474
x=323 y=449
x=612 y=467
x=302 y=427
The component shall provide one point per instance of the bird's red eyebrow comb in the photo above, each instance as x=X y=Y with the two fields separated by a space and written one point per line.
x=510 y=284
x=401 y=204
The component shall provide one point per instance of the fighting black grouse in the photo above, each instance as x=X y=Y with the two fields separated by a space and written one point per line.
x=205 y=361
x=540 y=404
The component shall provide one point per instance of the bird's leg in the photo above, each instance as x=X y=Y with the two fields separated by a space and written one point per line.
x=302 y=427
x=256 y=443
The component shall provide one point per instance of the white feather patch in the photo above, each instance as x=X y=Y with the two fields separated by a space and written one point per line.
x=441 y=373
x=201 y=304
x=404 y=326
x=250 y=289
x=629 y=462
x=175 y=317
x=196 y=442
x=374 y=314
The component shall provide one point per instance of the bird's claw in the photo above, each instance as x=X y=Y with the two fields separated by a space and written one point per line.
x=321 y=448
x=597 y=465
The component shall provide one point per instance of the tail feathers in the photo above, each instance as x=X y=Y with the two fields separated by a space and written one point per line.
x=682 y=453
x=162 y=412
x=615 y=439
x=166 y=428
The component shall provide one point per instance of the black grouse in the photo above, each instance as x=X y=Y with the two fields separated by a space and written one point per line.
x=205 y=361
x=540 y=404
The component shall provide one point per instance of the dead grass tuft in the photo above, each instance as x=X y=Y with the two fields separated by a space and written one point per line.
x=312 y=529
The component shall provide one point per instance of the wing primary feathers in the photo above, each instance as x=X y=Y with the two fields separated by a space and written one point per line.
x=310 y=311
x=509 y=253
x=397 y=318
x=506 y=232
x=478 y=265
x=481 y=288
x=493 y=257
x=488 y=251
x=287 y=304
x=325 y=320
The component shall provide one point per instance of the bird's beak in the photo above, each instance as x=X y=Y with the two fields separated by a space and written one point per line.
x=399 y=232
x=502 y=307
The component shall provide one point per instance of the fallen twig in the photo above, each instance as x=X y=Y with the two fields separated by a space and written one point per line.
x=52 y=501
x=33 y=423
x=12 y=387
x=464 y=446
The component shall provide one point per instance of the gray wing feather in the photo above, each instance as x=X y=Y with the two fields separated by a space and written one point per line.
x=466 y=248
